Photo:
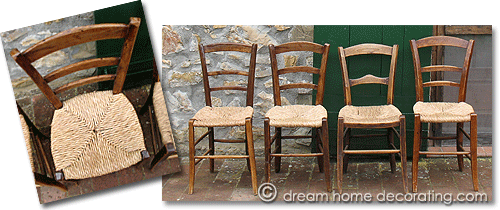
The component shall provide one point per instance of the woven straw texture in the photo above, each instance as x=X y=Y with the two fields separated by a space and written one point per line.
x=95 y=134
x=222 y=116
x=439 y=112
x=27 y=140
x=370 y=114
x=162 y=114
x=297 y=116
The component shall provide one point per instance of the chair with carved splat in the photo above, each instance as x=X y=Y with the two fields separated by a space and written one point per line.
x=369 y=117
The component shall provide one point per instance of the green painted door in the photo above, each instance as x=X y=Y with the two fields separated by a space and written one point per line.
x=378 y=65
x=141 y=63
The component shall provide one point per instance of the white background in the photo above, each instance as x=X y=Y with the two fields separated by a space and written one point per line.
x=16 y=182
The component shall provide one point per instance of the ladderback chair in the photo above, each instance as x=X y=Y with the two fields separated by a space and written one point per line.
x=94 y=133
x=211 y=117
x=313 y=116
x=43 y=174
x=369 y=117
x=444 y=112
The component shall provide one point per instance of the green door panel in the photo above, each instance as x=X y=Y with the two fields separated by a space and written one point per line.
x=378 y=65
x=141 y=63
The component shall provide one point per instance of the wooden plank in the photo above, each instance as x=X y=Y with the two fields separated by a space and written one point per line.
x=440 y=83
x=299 y=46
x=82 y=65
x=228 y=88
x=85 y=81
x=368 y=48
x=295 y=69
x=298 y=85
x=441 y=68
x=468 y=29
x=237 y=72
x=228 y=47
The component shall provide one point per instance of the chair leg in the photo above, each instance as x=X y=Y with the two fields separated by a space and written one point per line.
x=392 y=156
x=191 y=157
x=267 y=150
x=326 y=154
x=277 y=160
x=473 y=149
x=347 y=141
x=460 y=143
x=211 y=147
x=251 y=153
x=402 y=147
x=318 y=145
x=340 y=135
x=416 y=151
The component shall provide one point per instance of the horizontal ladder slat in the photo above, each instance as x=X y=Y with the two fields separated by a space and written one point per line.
x=228 y=88
x=441 y=68
x=299 y=85
x=82 y=65
x=238 y=72
x=440 y=83
x=294 y=69
x=85 y=81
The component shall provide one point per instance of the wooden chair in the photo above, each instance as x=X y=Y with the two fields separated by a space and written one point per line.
x=374 y=117
x=314 y=116
x=212 y=117
x=33 y=139
x=444 y=112
x=95 y=133
x=163 y=140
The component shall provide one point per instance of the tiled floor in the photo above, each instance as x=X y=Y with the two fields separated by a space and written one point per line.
x=231 y=181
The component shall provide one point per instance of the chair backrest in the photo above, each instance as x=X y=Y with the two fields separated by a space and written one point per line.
x=299 y=46
x=441 y=41
x=365 y=49
x=72 y=37
x=235 y=47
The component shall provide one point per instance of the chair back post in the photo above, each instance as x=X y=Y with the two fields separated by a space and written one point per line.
x=126 y=54
x=299 y=46
x=441 y=41
x=366 y=49
x=235 y=47
x=76 y=36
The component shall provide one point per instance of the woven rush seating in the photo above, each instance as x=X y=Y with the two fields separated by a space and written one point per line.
x=438 y=112
x=222 y=116
x=296 y=116
x=370 y=114
x=27 y=140
x=95 y=134
x=161 y=114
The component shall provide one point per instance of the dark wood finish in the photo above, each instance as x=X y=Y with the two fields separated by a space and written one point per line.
x=47 y=176
x=85 y=81
x=249 y=144
x=73 y=37
x=344 y=136
x=436 y=41
x=321 y=136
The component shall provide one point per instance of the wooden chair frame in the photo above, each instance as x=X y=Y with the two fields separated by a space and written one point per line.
x=321 y=134
x=249 y=145
x=161 y=151
x=76 y=36
x=344 y=129
x=419 y=86
x=46 y=175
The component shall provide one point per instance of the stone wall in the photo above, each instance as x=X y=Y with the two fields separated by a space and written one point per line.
x=183 y=84
x=25 y=91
